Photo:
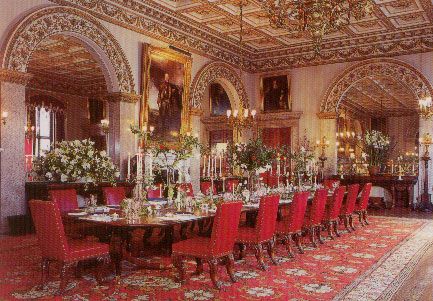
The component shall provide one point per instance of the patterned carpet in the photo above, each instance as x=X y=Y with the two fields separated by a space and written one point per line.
x=369 y=264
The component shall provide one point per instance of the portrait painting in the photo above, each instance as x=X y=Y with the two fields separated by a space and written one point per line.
x=275 y=93
x=218 y=99
x=168 y=76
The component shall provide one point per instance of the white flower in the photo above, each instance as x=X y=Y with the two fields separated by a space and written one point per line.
x=103 y=153
x=49 y=175
x=64 y=178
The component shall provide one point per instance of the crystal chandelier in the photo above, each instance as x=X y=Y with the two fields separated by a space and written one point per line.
x=317 y=18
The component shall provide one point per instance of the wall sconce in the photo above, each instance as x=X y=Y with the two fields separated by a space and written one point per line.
x=5 y=116
x=105 y=126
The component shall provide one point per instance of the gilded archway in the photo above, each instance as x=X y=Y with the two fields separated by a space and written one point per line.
x=48 y=21
x=403 y=72
x=213 y=72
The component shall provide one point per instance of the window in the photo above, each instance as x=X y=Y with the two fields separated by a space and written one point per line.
x=45 y=130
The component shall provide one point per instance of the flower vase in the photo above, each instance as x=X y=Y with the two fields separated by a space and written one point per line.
x=373 y=170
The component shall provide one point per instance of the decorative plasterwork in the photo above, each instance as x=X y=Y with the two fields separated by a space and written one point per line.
x=209 y=74
x=211 y=28
x=15 y=77
x=123 y=97
x=404 y=73
x=64 y=20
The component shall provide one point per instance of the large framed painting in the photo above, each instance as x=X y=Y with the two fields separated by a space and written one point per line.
x=165 y=81
x=275 y=93
x=219 y=100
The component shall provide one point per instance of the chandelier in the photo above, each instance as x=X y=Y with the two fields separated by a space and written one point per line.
x=317 y=18
x=425 y=107
x=244 y=120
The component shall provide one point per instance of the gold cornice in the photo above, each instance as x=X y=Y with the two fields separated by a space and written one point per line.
x=327 y=115
x=123 y=97
x=196 y=112
x=279 y=116
x=15 y=77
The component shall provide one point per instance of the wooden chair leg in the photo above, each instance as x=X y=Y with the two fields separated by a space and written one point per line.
x=360 y=218
x=312 y=232
x=178 y=263
x=319 y=235
x=299 y=243
x=242 y=251
x=364 y=217
x=329 y=226
x=199 y=268
x=259 y=256
x=213 y=267
x=346 y=223
x=100 y=261
x=271 y=251
x=352 y=226
x=230 y=264
x=288 y=242
x=336 y=229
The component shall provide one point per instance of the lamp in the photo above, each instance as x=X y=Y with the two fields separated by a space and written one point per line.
x=5 y=116
x=323 y=144
x=105 y=126
x=425 y=107
x=241 y=120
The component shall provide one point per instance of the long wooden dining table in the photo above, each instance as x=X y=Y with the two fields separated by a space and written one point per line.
x=120 y=229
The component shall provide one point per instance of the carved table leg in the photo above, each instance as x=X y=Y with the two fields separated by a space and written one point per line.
x=178 y=263
x=116 y=246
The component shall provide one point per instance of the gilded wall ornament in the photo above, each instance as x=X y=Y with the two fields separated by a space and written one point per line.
x=63 y=20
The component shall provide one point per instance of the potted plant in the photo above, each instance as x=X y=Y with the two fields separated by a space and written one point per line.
x=376 y=146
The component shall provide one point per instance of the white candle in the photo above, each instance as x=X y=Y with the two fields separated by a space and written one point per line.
x=208 y=166
x=129 y=166
x=221 y=170
x=285 y=166
x=224 y=185
x=214 y=166
x=204 y=166
x=233 y=187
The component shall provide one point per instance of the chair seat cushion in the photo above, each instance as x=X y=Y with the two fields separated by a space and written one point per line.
x=194 y=247
x=247 y=235
x=84 y=249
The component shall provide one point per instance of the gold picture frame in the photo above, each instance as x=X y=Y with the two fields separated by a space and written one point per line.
x=278 y=99
x=153 y=61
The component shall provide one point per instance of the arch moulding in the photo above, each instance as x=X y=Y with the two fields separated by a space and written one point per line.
x=213 y=72
x=405 y=73
x=42 y=23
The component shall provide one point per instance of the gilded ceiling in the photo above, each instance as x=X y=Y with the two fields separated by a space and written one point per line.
x=211 y=27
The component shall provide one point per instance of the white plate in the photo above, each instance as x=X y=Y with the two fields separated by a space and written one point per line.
x=77 y=213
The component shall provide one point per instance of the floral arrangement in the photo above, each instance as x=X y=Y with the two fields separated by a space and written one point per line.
x=77 y=160
x=252 y=156
x=376 y=145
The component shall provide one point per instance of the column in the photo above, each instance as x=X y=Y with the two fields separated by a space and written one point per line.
x=425 y=126
x=328 y=128
x=122 y=112
x=196 y=156
x=12 y=169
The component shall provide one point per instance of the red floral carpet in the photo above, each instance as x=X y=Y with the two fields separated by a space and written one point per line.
x=319 y=274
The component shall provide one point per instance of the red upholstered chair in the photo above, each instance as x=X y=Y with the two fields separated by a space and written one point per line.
x=291 y=225
x=265 y=177
x=186 y=187
x=313 y=218
x=230 y=183
x=273 y=181
x=114 y=195
x=362 y=204
x=205 y=187
x=349 y=206
x=218 y=246
x=155 y=193
x=329 y=183
x=54 y=245
x=332 y=211
x=263 y=232
x=66 y=199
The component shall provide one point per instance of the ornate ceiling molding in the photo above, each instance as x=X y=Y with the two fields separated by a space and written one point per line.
x=209 y=74
x=48 y=21
x=15 y=77
x=398 y=70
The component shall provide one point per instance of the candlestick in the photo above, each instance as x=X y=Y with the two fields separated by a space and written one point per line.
x=214 y=166
x=224 y=184
x=204 y=166
x=129 y=166
x=208 y=166
x=221 y=169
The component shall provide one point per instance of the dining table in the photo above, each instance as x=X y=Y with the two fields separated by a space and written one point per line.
x=120 y=228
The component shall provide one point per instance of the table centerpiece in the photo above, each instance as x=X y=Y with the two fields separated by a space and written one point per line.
x=377 y=146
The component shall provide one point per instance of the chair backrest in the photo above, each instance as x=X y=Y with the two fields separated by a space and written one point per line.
x=329 y=183
x=267 y=217
x=186 y=187
x=295 y=218
x=114 y=195
x=365 y=196
x=66 y=199
x=205 y=187
x=318 y=206
x=230 y=184
x=335 y=203
x=352 y=195
x=155 y=193
x=225 y=227
x=265 y=177
x=273 y=181
x=49 y=229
